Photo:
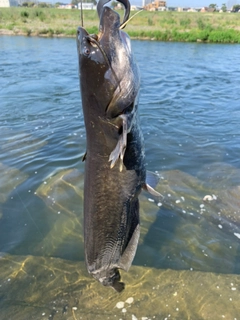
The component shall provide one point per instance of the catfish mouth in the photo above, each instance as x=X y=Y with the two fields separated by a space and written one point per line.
x=108 y=27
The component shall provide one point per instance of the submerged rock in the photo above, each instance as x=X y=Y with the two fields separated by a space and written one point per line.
x=186 y=195
x=63 y=195
x=46 y=288
x=189 y=232
x=63 y=191
x=183 y=232
x=180 y=238
x=10 y=178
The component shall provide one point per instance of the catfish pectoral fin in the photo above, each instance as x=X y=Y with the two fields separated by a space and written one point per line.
x=152 y=180
x=117 y=153
x=120 y=148
x=152 y=191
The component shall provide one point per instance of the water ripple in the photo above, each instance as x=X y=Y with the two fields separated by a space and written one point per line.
x=189 y=110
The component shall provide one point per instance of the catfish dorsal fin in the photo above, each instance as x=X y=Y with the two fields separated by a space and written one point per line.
x=152 y=179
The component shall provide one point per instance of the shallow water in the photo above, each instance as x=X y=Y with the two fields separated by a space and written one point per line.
x=189 y=109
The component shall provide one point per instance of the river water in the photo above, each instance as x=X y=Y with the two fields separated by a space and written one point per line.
x=188 y=261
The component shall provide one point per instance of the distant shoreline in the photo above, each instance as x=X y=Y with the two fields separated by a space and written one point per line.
x=12 y=34
x=156 y=26
x=21 y=33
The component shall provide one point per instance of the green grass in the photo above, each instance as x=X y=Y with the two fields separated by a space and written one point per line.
x=163 y=26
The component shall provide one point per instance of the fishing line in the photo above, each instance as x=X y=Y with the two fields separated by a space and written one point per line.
x=29 y=214
x=123 y=25
x=81 y=14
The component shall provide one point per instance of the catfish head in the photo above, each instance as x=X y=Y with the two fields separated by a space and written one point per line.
x=109 y=77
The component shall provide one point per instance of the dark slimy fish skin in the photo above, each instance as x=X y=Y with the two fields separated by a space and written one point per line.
x=114 y=162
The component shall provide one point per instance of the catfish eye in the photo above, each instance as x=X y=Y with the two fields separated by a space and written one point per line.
x=86 y=51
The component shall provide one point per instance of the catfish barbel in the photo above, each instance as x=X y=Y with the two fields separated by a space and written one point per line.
x=115 y=170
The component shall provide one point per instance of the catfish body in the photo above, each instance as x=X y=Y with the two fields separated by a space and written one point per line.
x=114 y=164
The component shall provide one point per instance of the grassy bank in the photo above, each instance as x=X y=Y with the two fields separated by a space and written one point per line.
x=164 y=26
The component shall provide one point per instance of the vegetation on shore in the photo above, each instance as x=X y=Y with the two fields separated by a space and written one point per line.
x=163 y=26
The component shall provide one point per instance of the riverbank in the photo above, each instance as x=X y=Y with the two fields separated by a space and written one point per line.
x=162 y=26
